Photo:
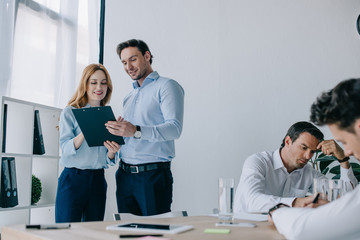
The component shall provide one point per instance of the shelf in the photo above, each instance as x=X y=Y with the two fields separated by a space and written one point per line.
x=29 y=155
x=19 y=140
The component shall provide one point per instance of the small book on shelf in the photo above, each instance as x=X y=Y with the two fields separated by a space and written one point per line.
x=9 y=193
x=38 y=145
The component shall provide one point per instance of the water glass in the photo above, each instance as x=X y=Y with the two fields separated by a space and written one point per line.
x=226 y=198
x=336 y=188
x=321 y=186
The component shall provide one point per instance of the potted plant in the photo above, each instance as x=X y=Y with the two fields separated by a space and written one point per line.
x=36 y=190
x=323 y=163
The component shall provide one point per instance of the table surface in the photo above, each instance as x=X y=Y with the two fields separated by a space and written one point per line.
x=97 y=230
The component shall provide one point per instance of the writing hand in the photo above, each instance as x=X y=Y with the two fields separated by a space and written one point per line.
x=319 y=203
x=302 y=202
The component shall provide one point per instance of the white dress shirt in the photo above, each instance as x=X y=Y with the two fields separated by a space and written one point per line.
x=336 y=220
x=265 y=182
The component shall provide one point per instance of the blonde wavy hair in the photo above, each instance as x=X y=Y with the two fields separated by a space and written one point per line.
x=80 y=99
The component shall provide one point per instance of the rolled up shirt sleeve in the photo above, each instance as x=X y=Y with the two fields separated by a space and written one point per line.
x=172 y=108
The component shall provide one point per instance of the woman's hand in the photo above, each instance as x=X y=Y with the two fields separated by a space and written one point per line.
x=112 y=148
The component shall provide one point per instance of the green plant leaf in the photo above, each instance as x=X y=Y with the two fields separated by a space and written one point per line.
x=325 y=171
x=335 y=170
x=337 y=176
x=357 y=177
x=355 y=166
x=323 y=165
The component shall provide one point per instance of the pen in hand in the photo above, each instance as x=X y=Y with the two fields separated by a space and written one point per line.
x=316 y=198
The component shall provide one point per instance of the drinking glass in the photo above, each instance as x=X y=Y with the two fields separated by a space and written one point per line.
x=226 y=198
x=335 y=189
x=321 y=185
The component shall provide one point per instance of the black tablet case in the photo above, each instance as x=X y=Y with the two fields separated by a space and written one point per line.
x=92 y=123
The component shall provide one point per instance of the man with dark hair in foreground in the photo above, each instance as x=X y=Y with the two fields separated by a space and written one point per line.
x=338 y=108
x=283 y=176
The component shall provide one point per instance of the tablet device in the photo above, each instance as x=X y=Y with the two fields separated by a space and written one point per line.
x=151 y=228
x=92 y=124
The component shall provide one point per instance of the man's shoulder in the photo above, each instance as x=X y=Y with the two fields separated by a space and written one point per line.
x=165 y=81
x=259 y=159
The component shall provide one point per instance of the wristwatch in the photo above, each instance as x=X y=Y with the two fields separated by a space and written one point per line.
x=277 y=206
x=344 y=160
x=137 y=134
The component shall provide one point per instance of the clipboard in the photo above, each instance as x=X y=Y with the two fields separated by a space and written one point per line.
x=92 y=124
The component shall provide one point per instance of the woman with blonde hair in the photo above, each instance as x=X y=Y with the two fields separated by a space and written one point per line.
x=81 y=192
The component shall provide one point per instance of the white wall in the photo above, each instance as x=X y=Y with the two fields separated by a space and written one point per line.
x=250 y=68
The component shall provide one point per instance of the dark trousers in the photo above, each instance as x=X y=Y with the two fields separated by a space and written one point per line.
x=81 y=195
x=145 y=193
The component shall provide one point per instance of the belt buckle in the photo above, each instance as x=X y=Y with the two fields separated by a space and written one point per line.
x=136 y=169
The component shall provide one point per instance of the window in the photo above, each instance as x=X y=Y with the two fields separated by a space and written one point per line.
x=53 y=41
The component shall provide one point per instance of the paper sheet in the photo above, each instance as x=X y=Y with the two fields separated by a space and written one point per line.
x=251 y=216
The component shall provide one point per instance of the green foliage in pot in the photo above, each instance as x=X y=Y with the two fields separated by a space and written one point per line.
x=321 y=162
x=36 y=189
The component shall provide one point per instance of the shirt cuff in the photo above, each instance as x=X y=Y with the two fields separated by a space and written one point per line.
x=287 y=201
x=69 y=148
x=345 y=174
x=112 y=162
x=146 y=132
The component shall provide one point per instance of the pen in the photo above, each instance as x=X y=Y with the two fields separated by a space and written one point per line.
x=316 y=198
x=49 y=226
x=138 y=236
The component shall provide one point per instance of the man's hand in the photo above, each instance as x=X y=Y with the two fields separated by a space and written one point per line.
x=120 y=127
x=319 y=203
x=270 y=219
x=302 y=202
x=330 y=147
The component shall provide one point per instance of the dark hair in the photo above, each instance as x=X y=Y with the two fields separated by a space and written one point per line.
x=340 y=105
x=139 y=44
x=300 y=127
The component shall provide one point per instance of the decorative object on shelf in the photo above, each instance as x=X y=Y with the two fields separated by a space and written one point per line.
x=38 y=145
x=9 y=196
x=4 y=128
x=36 y=190
x=321 y=162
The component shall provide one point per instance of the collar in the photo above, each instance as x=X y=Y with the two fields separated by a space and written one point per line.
x=153 y=76
x=277 y=161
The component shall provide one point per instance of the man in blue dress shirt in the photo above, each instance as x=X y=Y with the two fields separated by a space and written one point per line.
x=152 y=120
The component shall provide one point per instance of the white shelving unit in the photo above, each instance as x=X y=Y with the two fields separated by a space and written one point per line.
x=19 y=144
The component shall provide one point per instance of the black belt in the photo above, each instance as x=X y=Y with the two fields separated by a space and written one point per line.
x=86 y=171
x=143 y=167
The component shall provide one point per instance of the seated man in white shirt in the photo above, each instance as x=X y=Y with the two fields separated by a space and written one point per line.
x=340 y=110
x=269 y=178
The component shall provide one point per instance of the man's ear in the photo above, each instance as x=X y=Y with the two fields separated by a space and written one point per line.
x=357 y=127
x=147 y=56
x=288 y=141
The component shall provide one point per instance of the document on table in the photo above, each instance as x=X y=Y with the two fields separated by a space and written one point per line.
x=259 y=217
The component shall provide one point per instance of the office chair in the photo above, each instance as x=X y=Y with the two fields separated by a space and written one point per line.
x=129 y=216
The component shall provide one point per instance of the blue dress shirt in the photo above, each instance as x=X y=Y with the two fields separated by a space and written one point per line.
x=84 y=157
x=158 y=108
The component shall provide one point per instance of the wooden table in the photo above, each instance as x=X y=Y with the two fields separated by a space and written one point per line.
x=96 y=230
